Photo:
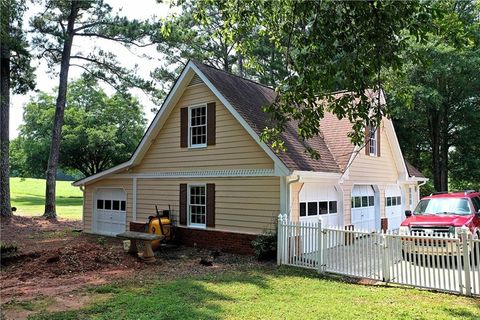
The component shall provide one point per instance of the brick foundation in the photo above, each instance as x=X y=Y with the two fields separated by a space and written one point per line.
x=216 y=240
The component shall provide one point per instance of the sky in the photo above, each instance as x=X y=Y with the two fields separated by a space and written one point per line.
x=136 y=9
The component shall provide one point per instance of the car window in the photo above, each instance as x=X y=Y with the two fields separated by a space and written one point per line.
x=443 y=206
x=476 y=203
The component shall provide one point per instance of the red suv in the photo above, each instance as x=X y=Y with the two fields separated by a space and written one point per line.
x=444 y=213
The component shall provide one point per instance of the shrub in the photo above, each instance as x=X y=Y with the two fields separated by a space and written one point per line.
x=265 y=245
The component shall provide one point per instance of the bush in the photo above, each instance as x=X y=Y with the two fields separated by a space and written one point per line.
x=265 y=246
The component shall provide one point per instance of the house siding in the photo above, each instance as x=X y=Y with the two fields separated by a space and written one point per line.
x=234 y=148
x=368 y=170
x=244 y=205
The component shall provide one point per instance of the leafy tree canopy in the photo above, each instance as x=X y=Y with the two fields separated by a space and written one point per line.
x=100 y=131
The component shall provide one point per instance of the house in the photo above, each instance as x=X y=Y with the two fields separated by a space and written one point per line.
x=202 y=158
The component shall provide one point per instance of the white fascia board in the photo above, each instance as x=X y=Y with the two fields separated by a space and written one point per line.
x=101 y=174
x=312 y=175
x=279 y=165
x=396 y=148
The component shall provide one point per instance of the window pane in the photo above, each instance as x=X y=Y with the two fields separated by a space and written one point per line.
x=108 y=204
x=122 y=206
x=99 y=204
x=364 y=201
x=323 y=207
x=399 y=201
x=371 y=201
x=197 y=207
x=389 y=201
x=332 y=206
x=303 y=209
x=116 y=205
x=394 y=201
x=312 y=208
x=358 y=202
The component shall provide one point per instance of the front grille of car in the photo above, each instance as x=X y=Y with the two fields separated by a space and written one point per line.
x=430 y=231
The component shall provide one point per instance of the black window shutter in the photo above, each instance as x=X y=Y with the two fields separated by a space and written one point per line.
x=184 y=127
x=210 y=205
x=211 y=123
x=183 y=204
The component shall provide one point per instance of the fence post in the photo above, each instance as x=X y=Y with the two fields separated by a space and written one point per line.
x=320 y=261
x=385 y=255
x=466 y=259
x=279 y=239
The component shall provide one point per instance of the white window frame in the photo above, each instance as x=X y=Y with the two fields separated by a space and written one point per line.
x=373 y=140
x=202 y=145
x=190 y=224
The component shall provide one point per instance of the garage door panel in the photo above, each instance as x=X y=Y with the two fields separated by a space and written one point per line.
x=363 y=212
x=393 y=206
x=110 y=213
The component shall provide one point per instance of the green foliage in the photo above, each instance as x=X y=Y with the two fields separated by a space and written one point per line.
x=329 y=46
x=13 y=39
x=437 y=100
x=268 y=293
x=28 y=196
x=93 y=19
x=197 y=33
x=99 y=131
x=265 y=245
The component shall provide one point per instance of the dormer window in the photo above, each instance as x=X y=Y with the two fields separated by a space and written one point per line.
x=373 y=142
x=197 y=126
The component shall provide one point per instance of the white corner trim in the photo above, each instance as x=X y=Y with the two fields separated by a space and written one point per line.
x=201 y=174
x=134 y=199
x=281 y=166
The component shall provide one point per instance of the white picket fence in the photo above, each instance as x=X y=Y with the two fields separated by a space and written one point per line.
x=436 y=261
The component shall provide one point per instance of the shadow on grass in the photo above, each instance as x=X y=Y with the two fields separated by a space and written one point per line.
x=189 y=298
x=36 y=201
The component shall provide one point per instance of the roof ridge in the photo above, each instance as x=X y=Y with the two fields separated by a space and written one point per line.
x=232 y=74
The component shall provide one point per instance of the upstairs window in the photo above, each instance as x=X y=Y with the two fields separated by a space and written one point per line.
x=372 y=145
x=197 y=126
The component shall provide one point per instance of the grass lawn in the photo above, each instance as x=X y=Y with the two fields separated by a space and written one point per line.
x=28 y=196
x=267 y=293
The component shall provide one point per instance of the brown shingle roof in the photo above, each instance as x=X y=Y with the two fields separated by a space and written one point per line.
x=412 y=171
x=248 y=97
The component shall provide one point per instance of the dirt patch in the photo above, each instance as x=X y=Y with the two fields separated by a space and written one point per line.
x=54 y=263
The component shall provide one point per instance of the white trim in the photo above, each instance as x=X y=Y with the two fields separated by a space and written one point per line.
x=201 y=174
x=283 y=195
x=100 y=174
x=309 y=175
x=189 y=223
x=197 y=146
x=134 y=199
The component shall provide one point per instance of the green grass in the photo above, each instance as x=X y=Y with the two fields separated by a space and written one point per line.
x=28 y=196
x=268 y=293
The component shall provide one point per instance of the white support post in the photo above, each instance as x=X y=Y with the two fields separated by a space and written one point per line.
x=320 y=262
x=385 y=258
x=466 y=260
x=280 y=239
x=134 y=199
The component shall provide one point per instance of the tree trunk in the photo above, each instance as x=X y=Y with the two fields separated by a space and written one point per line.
x=436 y=154
x=53 y=159
x=5 y=208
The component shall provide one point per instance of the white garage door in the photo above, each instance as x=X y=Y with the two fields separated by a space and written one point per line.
x=363 y=208
x=393 y=206
x=319 y=201
x=110 y=211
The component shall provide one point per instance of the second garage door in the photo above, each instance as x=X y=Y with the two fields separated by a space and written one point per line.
x=363 y=208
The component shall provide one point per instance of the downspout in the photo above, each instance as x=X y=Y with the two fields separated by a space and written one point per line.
x=289 y=182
